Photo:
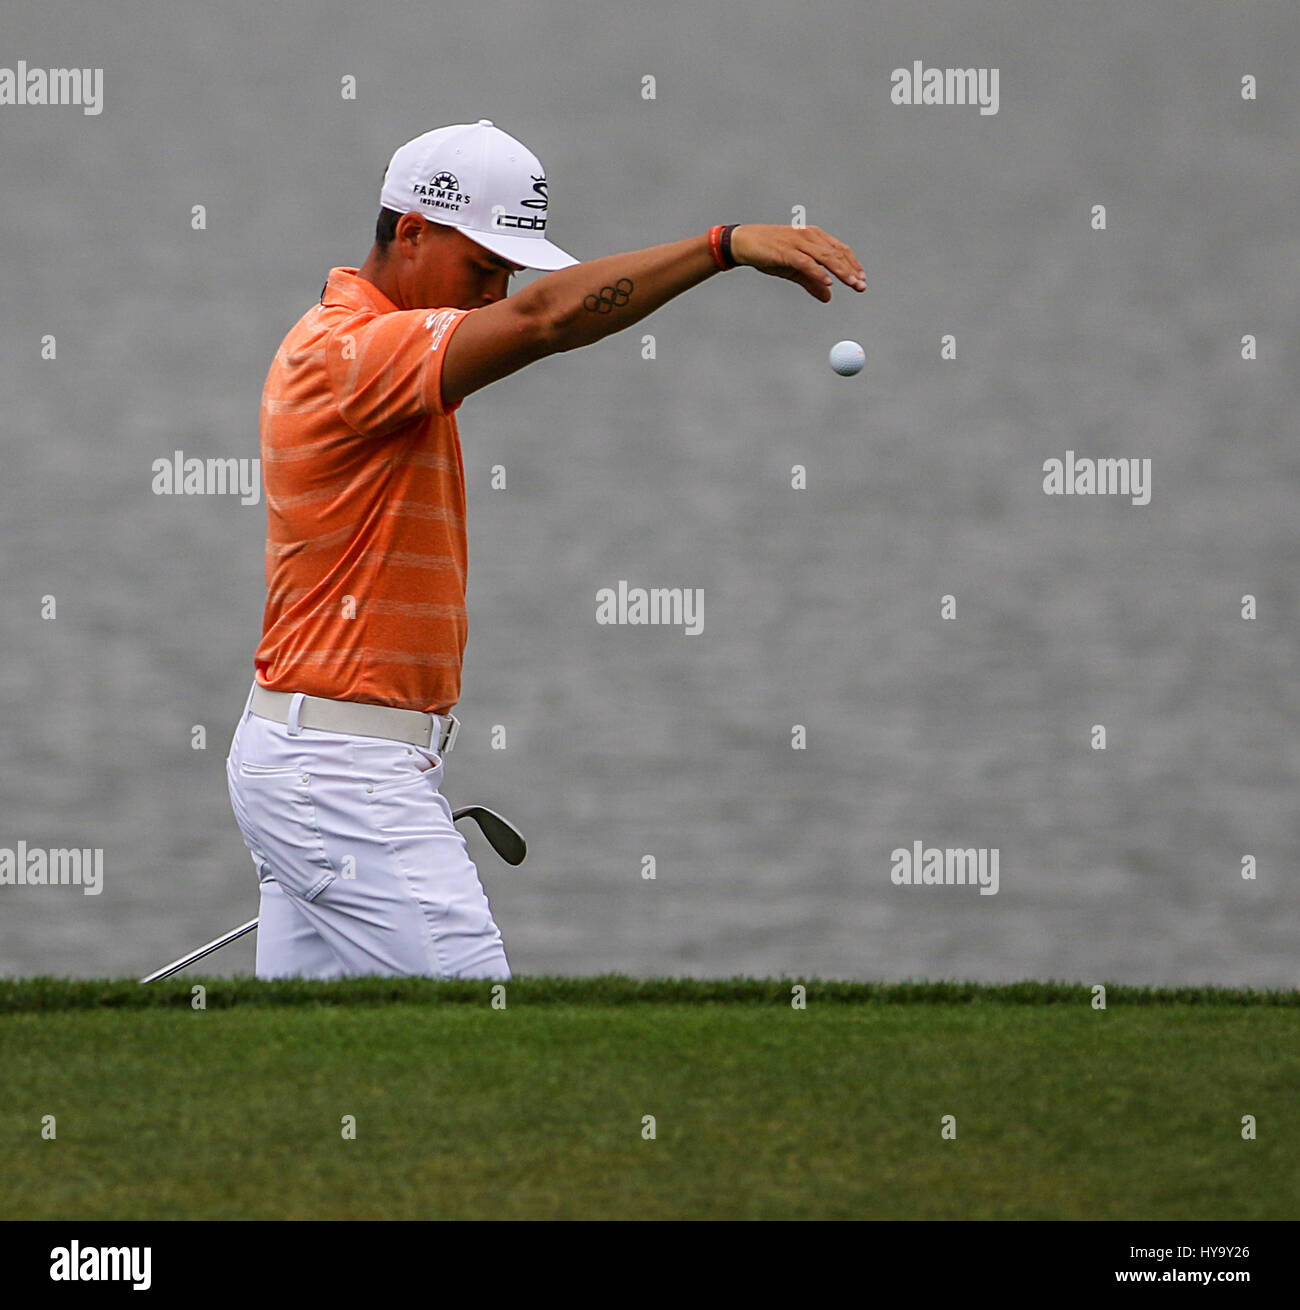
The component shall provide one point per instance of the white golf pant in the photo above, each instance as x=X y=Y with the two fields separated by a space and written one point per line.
x=361 y=869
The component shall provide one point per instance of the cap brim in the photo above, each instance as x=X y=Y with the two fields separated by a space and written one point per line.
x=531 y=252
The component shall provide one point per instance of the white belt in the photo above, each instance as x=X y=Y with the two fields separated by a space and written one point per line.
x=432 y=731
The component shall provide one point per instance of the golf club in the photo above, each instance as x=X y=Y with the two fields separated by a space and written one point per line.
x=503 y=836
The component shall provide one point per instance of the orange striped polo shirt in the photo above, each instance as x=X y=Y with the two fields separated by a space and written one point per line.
x=365 y=505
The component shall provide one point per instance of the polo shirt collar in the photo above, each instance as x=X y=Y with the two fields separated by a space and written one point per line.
x=344 y=287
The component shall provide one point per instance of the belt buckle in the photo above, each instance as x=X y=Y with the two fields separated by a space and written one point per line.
x=447 y=737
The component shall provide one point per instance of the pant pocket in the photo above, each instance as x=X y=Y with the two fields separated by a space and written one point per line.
x=277 y=816
x=380 y=765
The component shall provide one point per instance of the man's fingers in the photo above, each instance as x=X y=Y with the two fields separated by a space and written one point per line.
x=840 y=260
x=827 y=259
x=811 y=276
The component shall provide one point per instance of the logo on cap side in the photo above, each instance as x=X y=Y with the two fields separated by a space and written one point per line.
x=525 y=222
x=442 y=191
x=539 y=185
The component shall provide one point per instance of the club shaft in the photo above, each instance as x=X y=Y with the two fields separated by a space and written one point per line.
x=215 y=945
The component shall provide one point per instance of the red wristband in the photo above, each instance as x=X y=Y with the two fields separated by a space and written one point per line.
x=720 y=245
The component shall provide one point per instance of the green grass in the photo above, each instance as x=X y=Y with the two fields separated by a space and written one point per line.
x=535 y=1111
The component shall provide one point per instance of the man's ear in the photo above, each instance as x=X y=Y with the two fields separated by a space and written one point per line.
x=411 y=230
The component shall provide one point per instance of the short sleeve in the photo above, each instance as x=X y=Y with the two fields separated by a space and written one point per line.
x=386 y=370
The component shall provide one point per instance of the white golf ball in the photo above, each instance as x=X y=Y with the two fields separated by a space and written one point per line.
x=847 y=358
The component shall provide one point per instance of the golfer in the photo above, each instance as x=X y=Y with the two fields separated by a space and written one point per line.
x=336 y=766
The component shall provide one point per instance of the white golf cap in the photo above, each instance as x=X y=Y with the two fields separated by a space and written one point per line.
x=475 y=177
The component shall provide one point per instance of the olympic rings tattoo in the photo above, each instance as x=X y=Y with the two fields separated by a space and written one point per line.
x=614 y=297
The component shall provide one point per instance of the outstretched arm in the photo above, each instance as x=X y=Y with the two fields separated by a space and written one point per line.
x=582 y=304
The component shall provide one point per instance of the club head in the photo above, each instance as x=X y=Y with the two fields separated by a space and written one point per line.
x=505 y=839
